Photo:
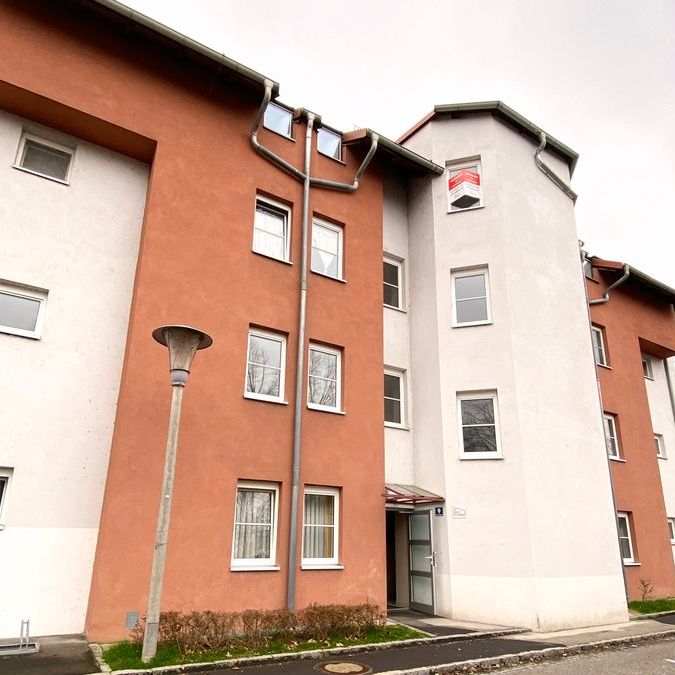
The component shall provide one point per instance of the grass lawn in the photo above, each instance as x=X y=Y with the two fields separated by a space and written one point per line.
x=128 y=655
x=651 y=606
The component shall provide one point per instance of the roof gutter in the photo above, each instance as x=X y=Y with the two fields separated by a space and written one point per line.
x=188 y=43
x=411 y=156
x=548 y=171
x=618 y=282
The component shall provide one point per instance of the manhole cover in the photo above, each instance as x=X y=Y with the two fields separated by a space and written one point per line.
x=343 y=667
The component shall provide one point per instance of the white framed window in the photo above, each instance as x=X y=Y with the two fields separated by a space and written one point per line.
x=329 y=143
x=321 y=527
x=478 y=419
x=254 y=539
x=465 y=186
x=5 y=478
x=278 y=119
x=471 y=297
x=611 y=435
x=21 y=310
x=45 y=158
x=394 y=398
x=625 y=539
x=327 y=249
x=588 y=269
x=647 y=368
x=272 y=229
x=392 y=276
x=324 y=390
x=265 y=366
x=671 y=529
x=660 y=447
x=599 y=346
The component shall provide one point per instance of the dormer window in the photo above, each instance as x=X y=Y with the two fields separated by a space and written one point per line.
x=329 y=143
x=278 y=119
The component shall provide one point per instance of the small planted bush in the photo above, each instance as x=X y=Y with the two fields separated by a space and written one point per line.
x=254 y=629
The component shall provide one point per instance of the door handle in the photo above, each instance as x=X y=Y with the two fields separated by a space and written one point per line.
x=432 y=558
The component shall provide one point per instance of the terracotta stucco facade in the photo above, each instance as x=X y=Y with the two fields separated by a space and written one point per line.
x=196 y=267
x=635 y=321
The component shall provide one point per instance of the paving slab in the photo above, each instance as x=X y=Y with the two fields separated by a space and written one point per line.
x=62 y=655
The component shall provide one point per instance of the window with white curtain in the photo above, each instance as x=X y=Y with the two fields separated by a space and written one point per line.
x=254 y=539
x=324 y=391
x=599 y=346
x=320 y=527
x=326 y=249
x=611 y=436
x=271 y=229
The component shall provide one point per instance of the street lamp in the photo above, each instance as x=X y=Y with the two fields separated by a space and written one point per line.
x=182 y=343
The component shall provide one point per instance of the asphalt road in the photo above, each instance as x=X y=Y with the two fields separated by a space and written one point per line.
x=653 y=659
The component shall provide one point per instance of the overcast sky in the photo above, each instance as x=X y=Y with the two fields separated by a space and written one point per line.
x=599 y=75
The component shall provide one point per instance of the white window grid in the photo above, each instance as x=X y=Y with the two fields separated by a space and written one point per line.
x=248 y=563
x=647 y=367
x=660 y=446
x=275 y=207
x=267 y=335
x=334 y=560
x=317 y=222
x=611 y=436
x=671 y=529
x=402 y=400
x=623 y=518
x=323 y=132
x=398 y=264
x=468 y=396
x=29 y=293
x=599 y=352
x=18 y=163
x=471 y=272
x=316 y=347
x=451 y=169
x=288 y=115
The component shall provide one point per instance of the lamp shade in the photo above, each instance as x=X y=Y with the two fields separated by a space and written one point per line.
x=182 y=343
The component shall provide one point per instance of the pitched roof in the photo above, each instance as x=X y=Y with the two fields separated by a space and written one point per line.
x=637 y=276
x=503 y=111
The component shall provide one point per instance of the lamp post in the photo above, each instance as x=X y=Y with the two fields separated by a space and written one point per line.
x=182 y=343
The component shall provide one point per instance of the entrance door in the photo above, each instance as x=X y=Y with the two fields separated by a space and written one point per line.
x=421 y=562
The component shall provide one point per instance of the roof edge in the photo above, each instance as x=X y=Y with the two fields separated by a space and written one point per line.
x=506 y=111
x=650 y=282
x=241 y=70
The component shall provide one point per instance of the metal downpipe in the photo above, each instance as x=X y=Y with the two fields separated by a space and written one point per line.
x=617 y=283
x=299 y=375
x=549 y=172
x=351 y=187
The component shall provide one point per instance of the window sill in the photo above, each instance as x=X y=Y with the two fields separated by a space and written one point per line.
x=470 y=208
x=310 y=406
x=480 y=455
x=471 y=324
x=602 y=365
x=19 y=333
x=617 y=459
x=335 y=159
x=631 y=564
x=661 y=457
x=253 y=397
x=328 y=276
x=278 y=133
x=41 y=175
x=271 y=257
x=308 y=566
x=391 y=425
x=255 y=568
x=396 y=309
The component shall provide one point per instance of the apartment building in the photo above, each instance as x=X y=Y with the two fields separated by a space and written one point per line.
x=633 y=328
x=158 y=182
x=489 y=344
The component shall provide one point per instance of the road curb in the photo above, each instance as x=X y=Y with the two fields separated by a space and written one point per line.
x=653 y=615
x=495 y=663
x=300 y=656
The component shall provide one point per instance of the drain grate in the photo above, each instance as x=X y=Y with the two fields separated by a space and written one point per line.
x=349 y=667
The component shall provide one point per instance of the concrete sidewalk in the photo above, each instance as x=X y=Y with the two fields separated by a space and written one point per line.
x=61 y=655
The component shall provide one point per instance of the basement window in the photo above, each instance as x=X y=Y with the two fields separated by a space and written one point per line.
x=278 y=119
x=21 y=310
x=45 y=158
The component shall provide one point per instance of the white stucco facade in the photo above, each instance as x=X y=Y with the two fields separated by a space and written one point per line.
x=536 y=545
x=663 y=424
x=79 y=243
